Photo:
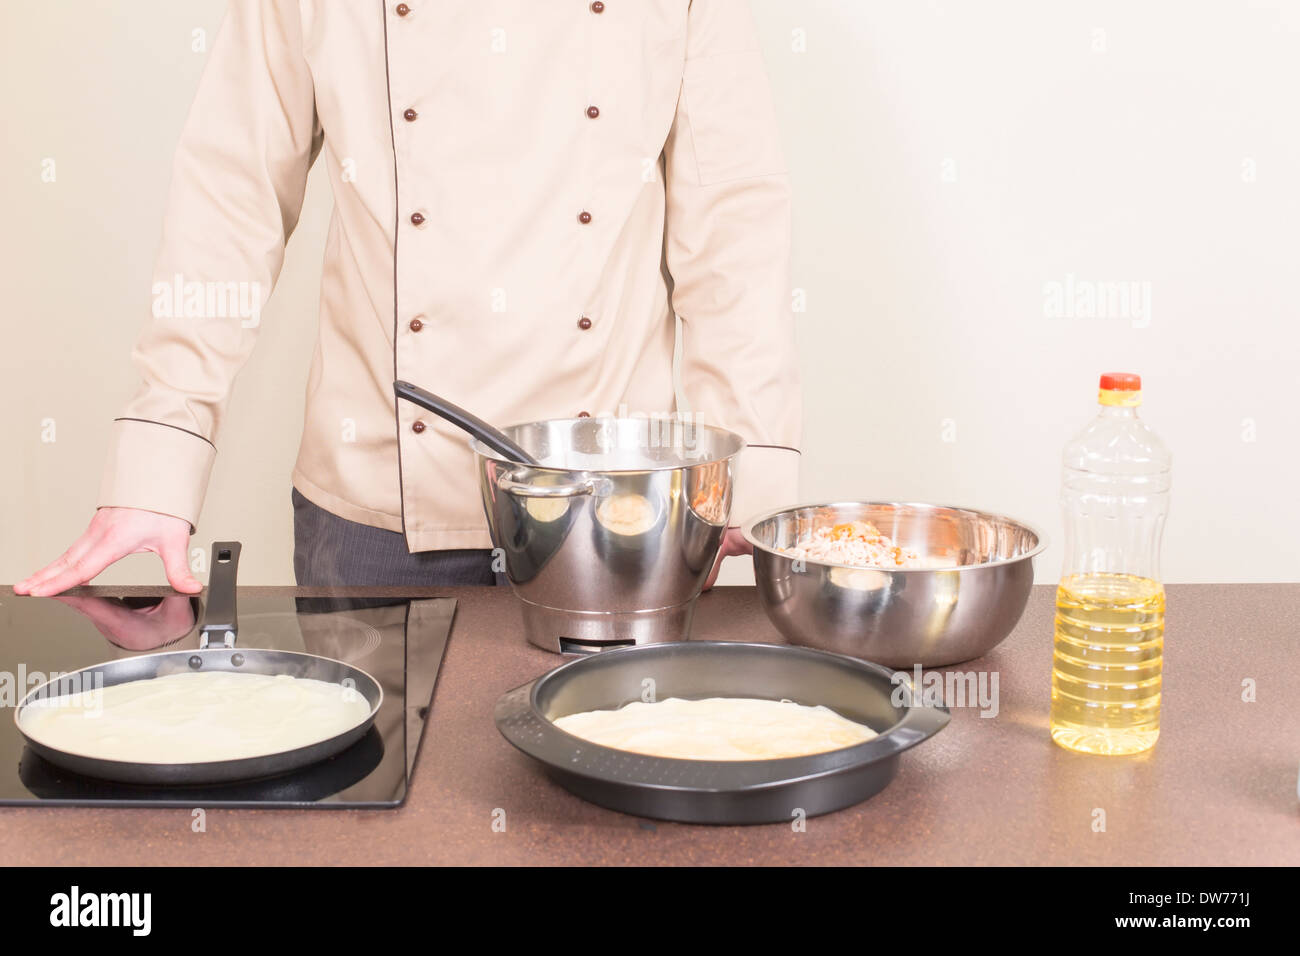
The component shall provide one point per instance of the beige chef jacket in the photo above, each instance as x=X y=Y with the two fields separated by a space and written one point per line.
x=525 y=193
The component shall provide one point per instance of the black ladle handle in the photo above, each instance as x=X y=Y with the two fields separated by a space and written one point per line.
x=480 y=429
x=221 y=617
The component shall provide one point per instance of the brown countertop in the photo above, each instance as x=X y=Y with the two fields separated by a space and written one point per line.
x=1219 y=787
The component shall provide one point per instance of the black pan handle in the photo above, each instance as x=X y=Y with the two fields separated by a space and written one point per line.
x=480 y=429
x=221 y=618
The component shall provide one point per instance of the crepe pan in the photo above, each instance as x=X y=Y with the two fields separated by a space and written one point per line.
x=306 y=786
x=217 y=652
x=713 y=791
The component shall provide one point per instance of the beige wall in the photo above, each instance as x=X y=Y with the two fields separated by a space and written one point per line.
x=949 y=159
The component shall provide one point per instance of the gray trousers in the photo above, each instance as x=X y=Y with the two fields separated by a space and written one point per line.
x=329 y=551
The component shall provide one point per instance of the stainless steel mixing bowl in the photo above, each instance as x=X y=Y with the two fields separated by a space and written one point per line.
x=960 y=606
x=609 y=539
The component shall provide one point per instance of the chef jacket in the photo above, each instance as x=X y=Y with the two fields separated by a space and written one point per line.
x=526 y=194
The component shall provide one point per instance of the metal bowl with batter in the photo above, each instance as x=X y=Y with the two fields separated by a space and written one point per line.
x=966 y=600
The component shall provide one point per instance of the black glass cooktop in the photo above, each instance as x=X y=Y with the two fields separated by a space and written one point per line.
x=399 y=642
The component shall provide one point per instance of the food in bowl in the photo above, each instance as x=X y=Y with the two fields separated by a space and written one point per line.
x=858 y=544
x=717 y=728
x=956 y=603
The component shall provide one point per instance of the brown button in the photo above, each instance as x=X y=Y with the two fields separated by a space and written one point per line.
x=410 y=115
x=584 y=217
x=597 y=7
x=584 y=323
x=416 y=325
x=593 y=111
x=584 y=414
x=403 y=9
x=418 y=427
x=417 y=218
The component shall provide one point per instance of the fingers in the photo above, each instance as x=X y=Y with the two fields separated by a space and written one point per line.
x=175 y=559
x=733 y=543
x=738 y=543
x=73 y=569
x=114 y=533
x=62 y=564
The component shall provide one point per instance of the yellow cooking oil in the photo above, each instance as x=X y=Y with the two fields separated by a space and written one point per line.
x=1106 y=661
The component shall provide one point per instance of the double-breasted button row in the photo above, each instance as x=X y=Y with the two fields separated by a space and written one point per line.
x=584 y=217
x=417 y=218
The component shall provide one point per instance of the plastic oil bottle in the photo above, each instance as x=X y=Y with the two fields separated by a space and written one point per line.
x=1110 y=605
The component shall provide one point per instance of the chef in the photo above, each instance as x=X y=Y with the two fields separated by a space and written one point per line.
x=526 y=195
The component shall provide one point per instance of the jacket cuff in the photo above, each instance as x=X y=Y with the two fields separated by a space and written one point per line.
x=767 y=479
x=156 y=467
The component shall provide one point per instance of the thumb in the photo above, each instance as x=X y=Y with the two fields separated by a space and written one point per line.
x=175 y=563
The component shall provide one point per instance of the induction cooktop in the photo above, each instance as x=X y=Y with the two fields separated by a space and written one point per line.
x=398 y=641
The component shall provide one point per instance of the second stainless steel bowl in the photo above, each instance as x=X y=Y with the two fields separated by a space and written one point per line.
x=958 y=608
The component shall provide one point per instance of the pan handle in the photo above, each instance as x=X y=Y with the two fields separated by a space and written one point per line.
x=221 y=619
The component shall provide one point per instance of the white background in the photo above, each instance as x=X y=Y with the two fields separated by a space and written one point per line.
x=949 y=159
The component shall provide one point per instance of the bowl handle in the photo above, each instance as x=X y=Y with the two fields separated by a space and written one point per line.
x=510 y=484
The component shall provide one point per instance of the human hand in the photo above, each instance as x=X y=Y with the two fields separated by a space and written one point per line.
x=733 y=542
x=113 y=534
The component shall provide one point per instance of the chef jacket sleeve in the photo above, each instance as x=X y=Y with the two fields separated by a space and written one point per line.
x=237 y=186
x=727 y=249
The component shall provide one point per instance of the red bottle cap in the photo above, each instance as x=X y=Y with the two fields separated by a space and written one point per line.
x=1121 y=382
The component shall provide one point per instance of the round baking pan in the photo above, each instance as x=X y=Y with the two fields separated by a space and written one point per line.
x=719 y=791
